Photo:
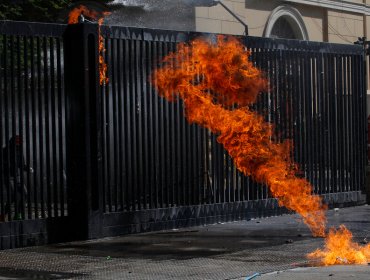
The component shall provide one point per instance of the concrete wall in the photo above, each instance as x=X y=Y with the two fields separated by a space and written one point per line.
x=344 y=27
x=314 y=20
x=257 y=14
x=217 y=20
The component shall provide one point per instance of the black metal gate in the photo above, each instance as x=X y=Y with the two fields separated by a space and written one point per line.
x=102 y=161
x=33 y=190
x=166 y=173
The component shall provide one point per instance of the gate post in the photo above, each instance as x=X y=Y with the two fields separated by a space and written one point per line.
x=83 y=130
x=366 y=46
x=367 y=71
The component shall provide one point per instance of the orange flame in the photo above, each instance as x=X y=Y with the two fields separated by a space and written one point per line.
x=76 y=12
x=340 y=249
x=211 y=79
x=74 y=18
x=103 y=69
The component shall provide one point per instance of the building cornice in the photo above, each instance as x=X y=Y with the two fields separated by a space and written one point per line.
x=358 y=8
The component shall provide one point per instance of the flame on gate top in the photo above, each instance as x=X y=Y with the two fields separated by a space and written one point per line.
x=74 y=17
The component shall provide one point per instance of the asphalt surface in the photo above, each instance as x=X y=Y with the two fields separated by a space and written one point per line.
x=274 y=247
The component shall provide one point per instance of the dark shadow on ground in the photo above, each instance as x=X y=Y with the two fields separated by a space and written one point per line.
x=186 y=244
x=12 y=273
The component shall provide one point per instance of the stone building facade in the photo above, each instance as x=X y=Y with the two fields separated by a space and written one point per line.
x=315 y=20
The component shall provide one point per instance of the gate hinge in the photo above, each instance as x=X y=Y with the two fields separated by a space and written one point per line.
x=366 y=44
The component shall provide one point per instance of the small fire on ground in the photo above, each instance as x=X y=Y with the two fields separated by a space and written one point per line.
x=82 y=12
x=217 y=83
x=341 y=249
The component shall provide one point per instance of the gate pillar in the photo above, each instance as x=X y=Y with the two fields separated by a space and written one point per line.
x=83 y=146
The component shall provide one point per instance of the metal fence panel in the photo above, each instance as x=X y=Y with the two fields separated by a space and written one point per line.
x=32 y=133
x=315 y=99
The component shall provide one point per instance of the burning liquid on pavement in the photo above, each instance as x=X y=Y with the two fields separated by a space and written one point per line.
x=340 y=249
x=73 y=18
x=213 y=78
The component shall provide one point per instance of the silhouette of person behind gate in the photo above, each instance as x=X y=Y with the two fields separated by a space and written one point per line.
x=13 y=166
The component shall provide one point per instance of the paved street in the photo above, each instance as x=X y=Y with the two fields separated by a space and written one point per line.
x=275 y=247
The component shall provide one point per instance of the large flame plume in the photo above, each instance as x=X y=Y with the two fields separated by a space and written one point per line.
x=217 y=83
x=212 y=79
x=340 y=249
x=73 y=18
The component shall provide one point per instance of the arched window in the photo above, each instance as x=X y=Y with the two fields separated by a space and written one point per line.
x=286 y=22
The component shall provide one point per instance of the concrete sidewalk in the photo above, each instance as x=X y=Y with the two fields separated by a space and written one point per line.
x=274 y=247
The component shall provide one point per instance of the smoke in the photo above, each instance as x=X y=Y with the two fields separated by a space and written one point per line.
x=160 y=14
x=162 y=4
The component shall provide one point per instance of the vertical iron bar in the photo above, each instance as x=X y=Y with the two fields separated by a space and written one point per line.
x=315 y=125
x=295 y=107
x=7 y=151
x=172 y=143
x=40 y=128
x=127 y=117
x=113 y=59
x=320 y=129
x=364 y=128
x=355 y=121
x=164 y=131
x=46 y=106
x=194 y=163
x=54 y=158
x=309 y=116
x=108 y=125
x=2 y=93
x=322 y=137
x=105 y=145
x=14 y=157
x=144 y=126
x=333 y=121
x=324 y=124
x=61 y=139
x=161 y=170
x=339 y=119
x=150 y=116
x=27 y=126
x=345 y=123
x=356 y=109
x=156 y=137
x=120 y=126
x=20 y=89
x=351 y=144
x=139 y=127
x=35 y=162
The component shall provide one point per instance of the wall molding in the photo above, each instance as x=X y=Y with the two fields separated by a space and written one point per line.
x=336 y=5
x=293 y=16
